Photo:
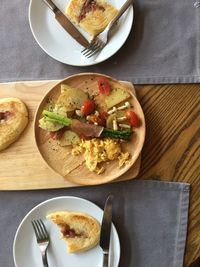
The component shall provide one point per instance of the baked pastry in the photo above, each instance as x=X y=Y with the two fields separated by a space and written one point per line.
x=13 y=120
x=91 y=15
x=80 y=230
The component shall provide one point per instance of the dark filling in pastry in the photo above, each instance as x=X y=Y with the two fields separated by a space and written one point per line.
x=68 y=232
x=89 y=5
x=4 y=115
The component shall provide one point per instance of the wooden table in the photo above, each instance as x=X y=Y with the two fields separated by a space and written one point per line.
x=172 y=147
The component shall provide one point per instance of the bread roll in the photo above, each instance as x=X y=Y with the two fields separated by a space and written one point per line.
x=80 y=230
x=13 y=120
x=91 y=15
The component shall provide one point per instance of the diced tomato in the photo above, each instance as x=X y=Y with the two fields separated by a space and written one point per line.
x=93 y=118
x=102 y=118
x=88 y=107
x=133 y=118
x=104 y=115
x=57 y=134
x=104 y=87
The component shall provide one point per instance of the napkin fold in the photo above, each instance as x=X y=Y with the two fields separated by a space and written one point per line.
x=150 y=216
x=163 y=46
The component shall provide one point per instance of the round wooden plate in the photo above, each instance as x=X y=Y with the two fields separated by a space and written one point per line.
x=71 y=167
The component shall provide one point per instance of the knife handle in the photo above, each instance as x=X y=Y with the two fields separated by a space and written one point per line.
x=105 y=259
x=51 y=5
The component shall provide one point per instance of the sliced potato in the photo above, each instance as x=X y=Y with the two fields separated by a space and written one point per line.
x=71 y=98
x=69 y=138
x=61 y=110
x=49 y=126
x=116 y=96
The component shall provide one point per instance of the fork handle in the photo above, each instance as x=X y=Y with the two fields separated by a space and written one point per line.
x=119 y=14
x=105 y=260
x=44 y=259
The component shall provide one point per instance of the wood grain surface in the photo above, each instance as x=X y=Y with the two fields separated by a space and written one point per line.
x=172 y=147
x=21 y=165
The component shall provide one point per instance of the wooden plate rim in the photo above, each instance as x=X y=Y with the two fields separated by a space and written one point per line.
x=92 y=182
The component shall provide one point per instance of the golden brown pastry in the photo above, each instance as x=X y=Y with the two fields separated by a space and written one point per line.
x=91 y=15
x=80 y=230
x=13 y=120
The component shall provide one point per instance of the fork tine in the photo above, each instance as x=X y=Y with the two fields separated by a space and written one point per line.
x=90 y=48
x=98 y=48
x=46 y=235
x=39 y=229
x=86 y=48
x=35 y=229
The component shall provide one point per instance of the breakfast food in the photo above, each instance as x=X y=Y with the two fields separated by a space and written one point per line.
x=13 y=120
x=91 y=15
x=96 y=151
x=80 y=230
x=95 y=123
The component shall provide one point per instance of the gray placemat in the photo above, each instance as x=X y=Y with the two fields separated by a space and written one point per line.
x=150 y=217
x=163 y=46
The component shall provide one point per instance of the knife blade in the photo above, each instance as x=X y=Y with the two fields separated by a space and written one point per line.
x=106 y=230
x=67 y=24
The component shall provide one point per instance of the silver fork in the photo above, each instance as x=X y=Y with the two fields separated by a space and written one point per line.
x=42 y=238
x=101 y=40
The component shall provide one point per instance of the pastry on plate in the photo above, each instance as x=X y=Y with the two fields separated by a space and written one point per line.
x=91 y=15
x=80 y=230
x=13 y=120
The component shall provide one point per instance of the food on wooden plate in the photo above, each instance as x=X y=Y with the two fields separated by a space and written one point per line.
x=80 y=230
x=94 y=123
x=96 y=151
x=13 y=120
x=91 y=15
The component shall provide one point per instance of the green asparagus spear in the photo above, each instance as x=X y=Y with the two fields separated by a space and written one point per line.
x=52 y=116
x=116 y=134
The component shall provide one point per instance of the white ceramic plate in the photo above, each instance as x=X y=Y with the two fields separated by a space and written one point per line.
x=57 y=43
x=25 y=249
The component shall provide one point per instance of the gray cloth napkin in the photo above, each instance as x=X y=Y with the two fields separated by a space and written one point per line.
x=163 y=46
x=150 y=217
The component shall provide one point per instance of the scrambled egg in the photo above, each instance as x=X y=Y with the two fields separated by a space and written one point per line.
x=96 y=151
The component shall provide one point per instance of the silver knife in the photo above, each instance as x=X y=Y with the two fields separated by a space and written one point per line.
x=105 y=230
x=66 y=24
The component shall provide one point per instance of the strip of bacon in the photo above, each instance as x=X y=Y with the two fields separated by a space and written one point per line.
x=86 y=129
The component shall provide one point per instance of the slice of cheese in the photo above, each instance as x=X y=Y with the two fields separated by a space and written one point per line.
x=80 y=230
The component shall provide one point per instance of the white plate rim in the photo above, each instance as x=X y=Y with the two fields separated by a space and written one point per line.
x=54 y=199
x=80 y=65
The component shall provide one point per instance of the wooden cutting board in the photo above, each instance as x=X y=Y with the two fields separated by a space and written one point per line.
x=21 y=166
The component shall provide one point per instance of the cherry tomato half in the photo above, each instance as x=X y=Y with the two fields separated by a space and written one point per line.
x=87 y=107
x=133 y=118
x=104 y=87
